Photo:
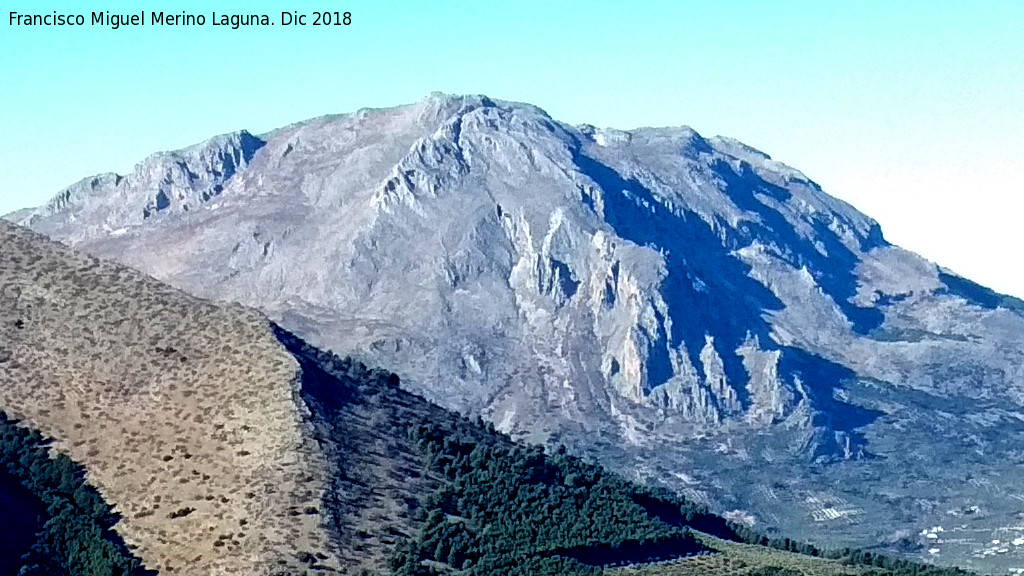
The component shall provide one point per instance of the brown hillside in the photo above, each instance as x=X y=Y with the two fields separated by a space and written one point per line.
x=192 y=420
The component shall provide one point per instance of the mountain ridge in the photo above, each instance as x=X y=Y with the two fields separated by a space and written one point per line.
x=640 y=295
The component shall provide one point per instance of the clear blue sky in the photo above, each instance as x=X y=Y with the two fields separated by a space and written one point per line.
x=912 y=111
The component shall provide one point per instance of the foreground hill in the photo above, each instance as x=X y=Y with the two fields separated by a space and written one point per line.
x=684 y=308
x=186 y=415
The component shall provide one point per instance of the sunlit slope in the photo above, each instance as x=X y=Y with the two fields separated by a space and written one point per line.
x=184 y=413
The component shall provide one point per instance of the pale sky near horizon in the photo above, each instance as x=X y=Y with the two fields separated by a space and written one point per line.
x=911 y=111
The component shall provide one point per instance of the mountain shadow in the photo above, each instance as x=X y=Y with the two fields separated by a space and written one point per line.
x=834 y=269
x=821 y=379
x=708 y=291
x=979 y=295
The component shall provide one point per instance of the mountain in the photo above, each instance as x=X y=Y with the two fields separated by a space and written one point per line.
x=686 y=309
x=159 y=433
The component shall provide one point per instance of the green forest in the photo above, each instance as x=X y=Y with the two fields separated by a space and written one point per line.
x=516 y=510
x=74 y=524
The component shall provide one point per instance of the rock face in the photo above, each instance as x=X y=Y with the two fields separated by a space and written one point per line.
x=164 y=183
x=686 y=307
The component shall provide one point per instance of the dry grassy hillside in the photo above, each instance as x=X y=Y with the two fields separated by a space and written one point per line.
x=187 y=415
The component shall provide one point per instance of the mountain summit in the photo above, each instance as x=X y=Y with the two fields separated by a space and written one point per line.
x=685 y=308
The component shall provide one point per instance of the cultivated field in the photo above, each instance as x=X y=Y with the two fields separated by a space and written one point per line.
x=731 y=559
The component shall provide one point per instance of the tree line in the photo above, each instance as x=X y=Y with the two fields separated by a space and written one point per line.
x=515 y=509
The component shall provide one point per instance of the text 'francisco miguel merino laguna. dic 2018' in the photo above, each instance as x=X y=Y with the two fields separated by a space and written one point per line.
x=234 y=21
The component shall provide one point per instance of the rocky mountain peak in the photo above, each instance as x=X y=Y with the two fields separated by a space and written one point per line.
x=665 y=300
x=163 y=183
